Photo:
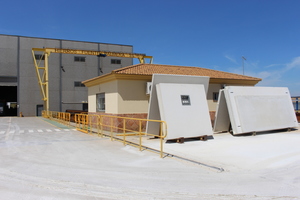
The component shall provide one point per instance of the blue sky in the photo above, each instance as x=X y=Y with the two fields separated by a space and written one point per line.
x=213 y=34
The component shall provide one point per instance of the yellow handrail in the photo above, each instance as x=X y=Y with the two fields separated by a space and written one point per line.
x=61 y=117
x=112 y=126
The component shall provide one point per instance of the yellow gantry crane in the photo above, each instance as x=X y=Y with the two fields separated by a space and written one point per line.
x=43 y=71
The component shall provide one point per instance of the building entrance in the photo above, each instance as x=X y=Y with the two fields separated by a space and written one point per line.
x=8 y=101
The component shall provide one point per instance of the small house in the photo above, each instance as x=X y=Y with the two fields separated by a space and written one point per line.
x=125 y=91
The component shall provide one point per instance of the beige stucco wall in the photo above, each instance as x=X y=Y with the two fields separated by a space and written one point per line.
x=132 y=96
x=212 y=105
x=121 y=96
x=111 y=96
x=129 y=96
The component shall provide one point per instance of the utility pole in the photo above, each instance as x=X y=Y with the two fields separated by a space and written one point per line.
x=243 y=59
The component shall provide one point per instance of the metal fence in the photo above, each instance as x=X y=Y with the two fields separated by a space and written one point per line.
x=61 y=117
x=130 y=131
x=121 y=128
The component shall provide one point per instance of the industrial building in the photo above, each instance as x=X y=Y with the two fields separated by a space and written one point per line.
x=19 y=88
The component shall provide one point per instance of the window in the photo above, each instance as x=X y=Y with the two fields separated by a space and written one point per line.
x=215 y=96
x=79 y=58
x=115 y=61
x=100 y=102
x=39 y=57
x=185 y=100
x=85 y=107
x=78 y=84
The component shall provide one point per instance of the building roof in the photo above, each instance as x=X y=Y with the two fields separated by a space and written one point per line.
x=149 y=69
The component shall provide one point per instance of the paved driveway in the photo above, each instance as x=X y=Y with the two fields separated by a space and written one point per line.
x=39 y=160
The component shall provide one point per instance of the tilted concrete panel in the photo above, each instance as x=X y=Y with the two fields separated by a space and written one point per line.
x=254 y=109
x=222 y=121
x=184 y=108
x=153 y=109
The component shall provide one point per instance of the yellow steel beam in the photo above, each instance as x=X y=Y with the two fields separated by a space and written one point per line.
x=46 y=81
x=139 y=56
x=40 y=73
x=43 y=72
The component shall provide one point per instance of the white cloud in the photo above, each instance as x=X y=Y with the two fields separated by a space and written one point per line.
x=272 y=65
x=295 y=63
x=231 y=59
x=274 y=75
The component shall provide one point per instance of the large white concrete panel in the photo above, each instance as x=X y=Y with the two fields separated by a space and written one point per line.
x=222 y=121
x=253 y=109
x=153 y=109
x=184 y=117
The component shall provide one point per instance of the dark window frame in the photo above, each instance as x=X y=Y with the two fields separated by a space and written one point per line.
x=115 y=61
x=185 y=100
x=79 y=58
x=215 y=96
x=78 y=84
x=100 y=102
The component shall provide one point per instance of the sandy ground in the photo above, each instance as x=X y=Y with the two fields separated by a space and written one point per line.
x=41 y=161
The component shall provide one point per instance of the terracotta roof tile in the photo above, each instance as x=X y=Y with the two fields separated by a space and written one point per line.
x=149 y=69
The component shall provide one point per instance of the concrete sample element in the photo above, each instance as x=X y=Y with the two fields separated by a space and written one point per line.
x=184 y=108
x=153 y=109
x=254 y=109
x=222 y=121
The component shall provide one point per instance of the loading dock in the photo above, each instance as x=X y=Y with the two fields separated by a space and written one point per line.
x=8 y=101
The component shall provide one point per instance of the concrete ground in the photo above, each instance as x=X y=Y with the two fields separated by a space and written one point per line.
x=42 y=160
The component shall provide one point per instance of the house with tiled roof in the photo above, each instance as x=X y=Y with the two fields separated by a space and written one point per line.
x=123 y=91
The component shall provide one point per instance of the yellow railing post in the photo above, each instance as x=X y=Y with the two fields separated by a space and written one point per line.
x=101 y=125
x=69 y=118
x=140 y=134
x=89 y=124
x=111 y=125
x=76 y=120
x=82 y=121
x=124 y=131
x=161 y=140
x=98 y=124
x=86 y=123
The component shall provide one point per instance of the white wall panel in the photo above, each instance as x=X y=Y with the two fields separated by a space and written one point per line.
x=185 y=118
x=153 y=109
x=253 y=109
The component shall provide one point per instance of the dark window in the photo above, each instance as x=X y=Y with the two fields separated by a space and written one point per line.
x=115 y=61
x=85 y=107
x=78 y=84
x=215 y=96
x=185 y=100
x=79 y=58
x=39 y=57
